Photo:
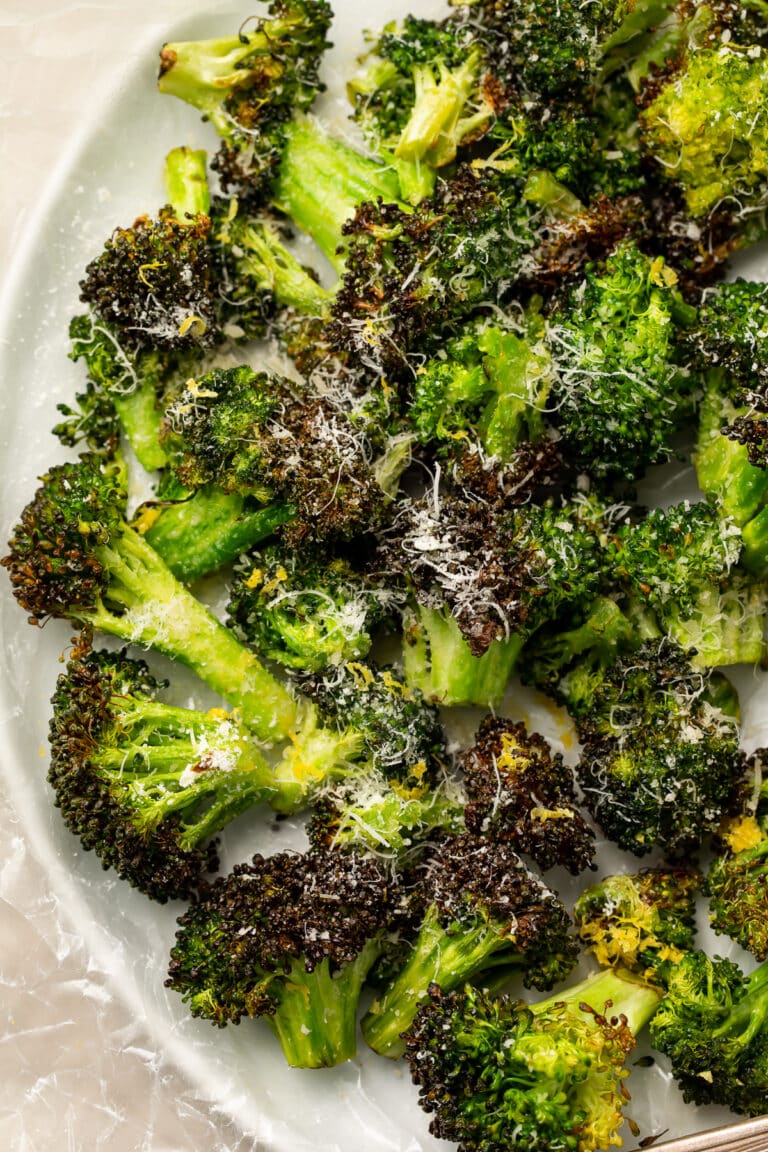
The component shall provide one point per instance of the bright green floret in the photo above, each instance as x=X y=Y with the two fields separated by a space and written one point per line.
x=499 y=1075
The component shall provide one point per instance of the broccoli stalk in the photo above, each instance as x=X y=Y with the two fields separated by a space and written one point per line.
x=499 y=1074
x=723 y=469
x=143 y=783
x=480 y=909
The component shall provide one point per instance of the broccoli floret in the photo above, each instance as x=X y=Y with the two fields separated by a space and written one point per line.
x=305 y=610
x=72 y=555
x=250 y=85
x=681 y=562
x=731 y=332
x=479 y=908
x=499 y=1075
x=144 y=784
x=737 y=881
x=618 y=392
x=421 y=94
x=712 y=1026
x=489 y=383
x=661 y=764
x=261 y=435
x=290 y=938
x=643 y=922
x=520 y=792
x=723 y=468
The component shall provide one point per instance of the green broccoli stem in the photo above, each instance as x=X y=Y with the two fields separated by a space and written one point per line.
x=321 y=182
x=754 y=556
x=145 y=604
x=186 y=183
x=612 y=992
x=435 y=128
x=447 y=956
x=267 y=264
x=438 y=661
x=211 y=528
x=141 y=420
x=725 y=628
x=417 y=180
x=722 y=466
x=315 y=1019
x=747 y=1018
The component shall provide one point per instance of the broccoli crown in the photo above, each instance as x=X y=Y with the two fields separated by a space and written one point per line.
x=255 y=433
x=518 y=790
x=106 y=730
x=152 y=283
x=712 y=1026
x=617 y=389
x=402 y=734
x=291 y=938
x=643 y=922
x=705 y=130
x=661 y=763
x=304 y=610
x=498 y=1074
x=54 y=563
x=489 y=383
x=110 y=373
x=737 y=881
x=250 y=85
x=731 y=332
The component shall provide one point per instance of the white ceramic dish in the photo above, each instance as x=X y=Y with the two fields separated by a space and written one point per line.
x=112 y=172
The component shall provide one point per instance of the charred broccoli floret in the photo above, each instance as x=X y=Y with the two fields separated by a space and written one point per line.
x=144 y=784
x=713 y=1026
x=519 y=791
x=661 y=763
x=737 y=881
x=723 y=468
x=290 y=938
x=500 y=1075
x=643 y=922
x=681 y=562
x=479 y=907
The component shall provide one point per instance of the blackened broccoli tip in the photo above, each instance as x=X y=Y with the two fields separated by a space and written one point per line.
x=73 y=556
x=480 y=907
x=661 y=764
x=290 y=938
x=498 y=1074
x=642 y=922
x=307 y=611
x=682 y=562
x=144 y=784
x=737 y=880
x=712 y=1024
x=520 y=791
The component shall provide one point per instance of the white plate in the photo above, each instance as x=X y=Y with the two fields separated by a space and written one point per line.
x=112 y=172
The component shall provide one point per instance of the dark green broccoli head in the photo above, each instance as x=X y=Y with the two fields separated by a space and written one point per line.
x=618 y=391
x=305 y=610
x=661 y=763
x=490 y=384
x=737 y=881
x=291 y=938
x=731 y=333
x=497 y=1074
x=152 y=284
x=54 y=562
x=712 y=1025
x=643 y=922
x=249 y=85
x=519 y=791
x=750 y=427
x=106 y=727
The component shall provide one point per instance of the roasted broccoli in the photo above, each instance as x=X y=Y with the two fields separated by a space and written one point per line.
x=500 y=1075
x=643 y=922
x=290 y=938
x=519 y=791
x=144 y=784
x=478 y=908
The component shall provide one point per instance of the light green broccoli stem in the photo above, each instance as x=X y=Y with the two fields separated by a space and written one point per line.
x=321 y=182
x=141 y=420
x=754 y=556
x=186 y=183
x=722 y=466
x=387 y=826
x=313 y=756
x=145 y=604
x=727 y=627
x=444 y=956
x=436 y=126
x=439 y=662
x=316 y=1015
x=612 y=992
x=267 y=263
x=210 y=529
x=417 y=180
x=541 y=188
